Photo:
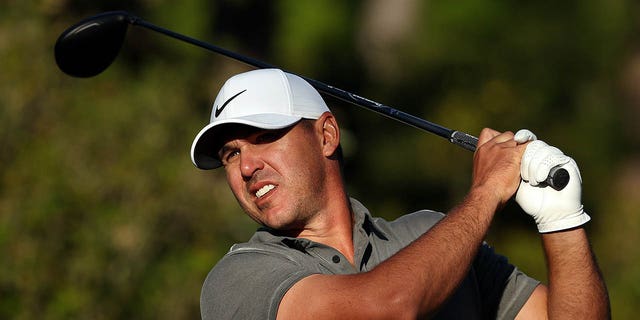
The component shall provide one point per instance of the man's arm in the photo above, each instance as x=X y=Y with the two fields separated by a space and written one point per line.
x=419 y=278
x=411 y=283
x=576 y=288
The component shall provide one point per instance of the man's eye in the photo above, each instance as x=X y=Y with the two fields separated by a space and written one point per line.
x=229 y=156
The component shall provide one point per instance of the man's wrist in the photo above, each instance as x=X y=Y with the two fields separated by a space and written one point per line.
x=483 y=200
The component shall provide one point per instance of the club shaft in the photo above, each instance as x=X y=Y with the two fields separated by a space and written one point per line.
x=558 y=179
x=462 y=139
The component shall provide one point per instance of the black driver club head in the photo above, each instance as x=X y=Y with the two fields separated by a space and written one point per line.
x=90 y=46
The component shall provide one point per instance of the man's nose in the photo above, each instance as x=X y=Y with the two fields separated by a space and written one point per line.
x=250 y=161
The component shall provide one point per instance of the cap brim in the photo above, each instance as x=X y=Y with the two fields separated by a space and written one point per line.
x=204 y=147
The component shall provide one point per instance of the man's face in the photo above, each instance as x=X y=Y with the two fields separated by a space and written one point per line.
x=277 y=176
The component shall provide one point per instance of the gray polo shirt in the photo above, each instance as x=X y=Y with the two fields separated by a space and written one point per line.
x=251 y=279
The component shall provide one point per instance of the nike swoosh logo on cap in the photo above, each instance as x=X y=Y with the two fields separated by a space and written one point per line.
x=224 y=105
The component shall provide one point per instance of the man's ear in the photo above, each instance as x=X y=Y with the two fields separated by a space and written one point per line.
x=330 y=133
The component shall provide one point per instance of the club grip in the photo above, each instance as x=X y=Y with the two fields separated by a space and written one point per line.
x=558 y=177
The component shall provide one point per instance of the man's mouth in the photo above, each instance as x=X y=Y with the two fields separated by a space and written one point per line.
x=264 y=190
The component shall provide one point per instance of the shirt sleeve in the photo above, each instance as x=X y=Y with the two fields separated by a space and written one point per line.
x=248 y=284
x=504 y=289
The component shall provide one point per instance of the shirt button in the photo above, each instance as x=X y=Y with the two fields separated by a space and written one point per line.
x=335 y=259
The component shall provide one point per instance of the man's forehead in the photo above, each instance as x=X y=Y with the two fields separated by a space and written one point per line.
x=233 y=131
x=241 y=131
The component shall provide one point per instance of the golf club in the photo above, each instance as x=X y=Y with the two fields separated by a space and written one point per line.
x=90 y=46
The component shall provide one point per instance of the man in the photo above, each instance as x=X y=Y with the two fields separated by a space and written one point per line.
x=321 y=255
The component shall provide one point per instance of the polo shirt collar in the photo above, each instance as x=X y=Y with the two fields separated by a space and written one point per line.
x=363 y=219
x=362 y=222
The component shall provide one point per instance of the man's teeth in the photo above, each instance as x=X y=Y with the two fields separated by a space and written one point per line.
x=264 y=190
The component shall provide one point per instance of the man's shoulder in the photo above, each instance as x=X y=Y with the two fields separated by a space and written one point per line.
x=421 y=219
x=252 y=259
x=261 y=248
x=259 y=256
x=249 y=270
x=418 y=222
x=422 y=216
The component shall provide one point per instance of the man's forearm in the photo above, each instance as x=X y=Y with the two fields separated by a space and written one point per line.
x=576 y=287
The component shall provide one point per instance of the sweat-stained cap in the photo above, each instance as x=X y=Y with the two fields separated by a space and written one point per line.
x=265 y=99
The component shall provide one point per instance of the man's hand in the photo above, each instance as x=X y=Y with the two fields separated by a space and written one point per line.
x=496 y=168
x=551 y=209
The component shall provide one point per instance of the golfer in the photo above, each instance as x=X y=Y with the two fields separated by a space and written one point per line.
x=320 y=254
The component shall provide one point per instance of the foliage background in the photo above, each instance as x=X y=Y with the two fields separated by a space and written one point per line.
x=102 y=215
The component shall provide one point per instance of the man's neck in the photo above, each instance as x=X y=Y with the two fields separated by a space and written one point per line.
x=332 y=225
x=334 y=228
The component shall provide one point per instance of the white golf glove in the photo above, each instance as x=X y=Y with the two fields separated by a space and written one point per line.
x=551 y=209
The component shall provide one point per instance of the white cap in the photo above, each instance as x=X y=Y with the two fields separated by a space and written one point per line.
x=266 y=99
